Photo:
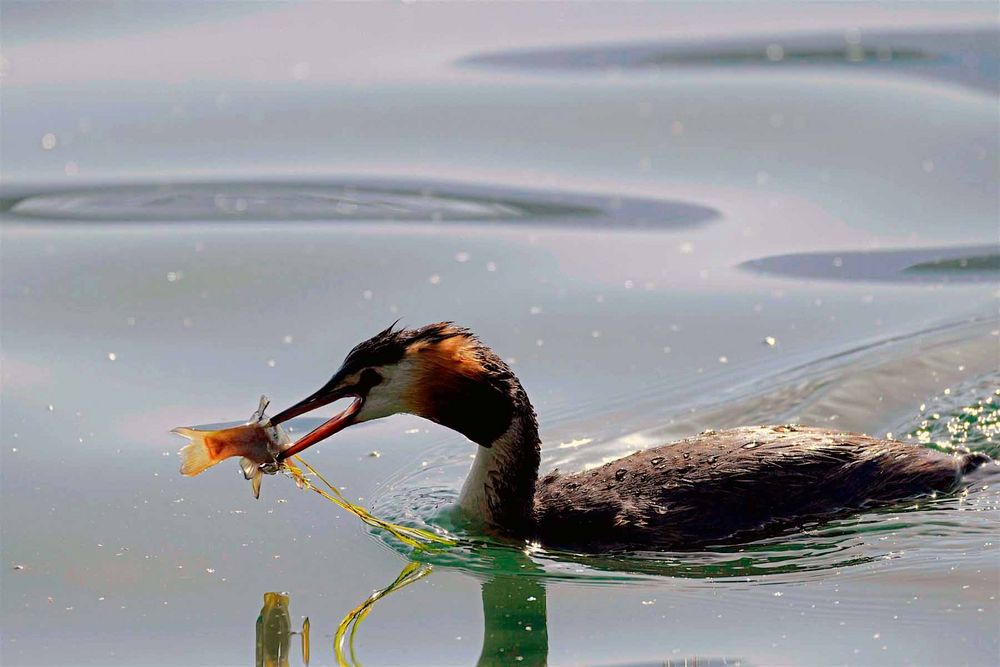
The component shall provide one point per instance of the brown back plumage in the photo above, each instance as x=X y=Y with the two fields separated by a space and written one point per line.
x=735 y=485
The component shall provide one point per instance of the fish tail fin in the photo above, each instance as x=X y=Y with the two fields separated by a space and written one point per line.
x=195 y=456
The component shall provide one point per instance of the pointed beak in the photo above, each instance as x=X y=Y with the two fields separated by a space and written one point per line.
x=339 y=422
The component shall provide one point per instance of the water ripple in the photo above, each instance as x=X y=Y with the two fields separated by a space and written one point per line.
x=965 y=264
x=350 y=200
x=970 y=58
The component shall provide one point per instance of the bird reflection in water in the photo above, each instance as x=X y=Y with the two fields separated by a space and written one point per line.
x=515 y=626
x=274 y=633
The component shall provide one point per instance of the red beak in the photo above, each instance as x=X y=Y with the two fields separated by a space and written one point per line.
x=338 y=423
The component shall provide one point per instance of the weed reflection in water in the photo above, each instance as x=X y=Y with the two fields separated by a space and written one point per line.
x=411 y=573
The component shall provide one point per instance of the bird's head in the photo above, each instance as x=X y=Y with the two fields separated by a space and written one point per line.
x=441 y=372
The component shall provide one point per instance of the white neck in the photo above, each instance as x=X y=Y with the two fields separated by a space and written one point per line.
x=500 y=487
x=472 y=499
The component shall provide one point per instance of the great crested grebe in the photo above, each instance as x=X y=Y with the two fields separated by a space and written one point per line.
x=714 y=487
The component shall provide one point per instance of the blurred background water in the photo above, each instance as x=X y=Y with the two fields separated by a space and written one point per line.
x=665 y=217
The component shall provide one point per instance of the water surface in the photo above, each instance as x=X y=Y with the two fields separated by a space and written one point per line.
x=654 y=251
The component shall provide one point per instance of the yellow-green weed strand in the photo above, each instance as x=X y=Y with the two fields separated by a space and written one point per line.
x=416 y=538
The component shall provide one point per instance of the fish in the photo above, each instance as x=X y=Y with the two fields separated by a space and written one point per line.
x=257 y=442
x=263 y=450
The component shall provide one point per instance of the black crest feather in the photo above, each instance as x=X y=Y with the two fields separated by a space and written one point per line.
x=390 y=345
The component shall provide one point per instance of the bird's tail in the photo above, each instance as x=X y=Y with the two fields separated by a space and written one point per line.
x=973 y=460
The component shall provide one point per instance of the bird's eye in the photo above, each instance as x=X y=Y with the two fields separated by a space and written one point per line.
x=369 y=378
